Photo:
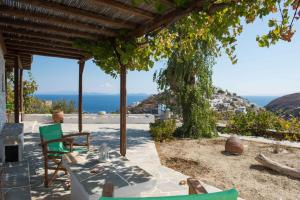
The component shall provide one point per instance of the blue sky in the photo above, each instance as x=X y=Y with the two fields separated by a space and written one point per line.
x=260 y=71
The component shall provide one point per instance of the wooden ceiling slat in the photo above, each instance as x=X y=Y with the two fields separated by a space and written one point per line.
x=38 y=41
x=83 y=14
x=45 y=46
x=43 y=18
x=40 y=47
x=130 y=9
x=36 y=35
x=47 y=53
x=45 y=29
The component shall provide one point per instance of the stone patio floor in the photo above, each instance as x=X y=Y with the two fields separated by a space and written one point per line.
x=141 y=151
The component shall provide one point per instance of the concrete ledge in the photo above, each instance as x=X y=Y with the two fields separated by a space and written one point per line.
x=93 y=118
x=264 y=140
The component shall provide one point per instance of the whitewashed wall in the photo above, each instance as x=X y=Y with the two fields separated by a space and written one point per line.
x=2 y=90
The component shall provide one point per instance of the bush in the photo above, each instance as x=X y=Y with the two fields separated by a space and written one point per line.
x=162 y=130
x=261 y=123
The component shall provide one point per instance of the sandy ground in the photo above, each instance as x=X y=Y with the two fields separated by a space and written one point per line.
x=205 y=159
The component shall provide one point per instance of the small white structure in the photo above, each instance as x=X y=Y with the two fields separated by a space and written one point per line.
x=241 y=110
x=48 y=103
x=161 y=109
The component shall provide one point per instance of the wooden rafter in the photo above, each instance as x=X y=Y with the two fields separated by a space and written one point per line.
x=42 y=44
x=130 y=9
x=22 y=46
x=81 y=14
x=46 y=53
x=25 y=38
x=45 y=29
x=37 y=41
x=53 y=20
x=37 y=35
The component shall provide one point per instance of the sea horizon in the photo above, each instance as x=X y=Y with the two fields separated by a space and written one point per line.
x=96 y=102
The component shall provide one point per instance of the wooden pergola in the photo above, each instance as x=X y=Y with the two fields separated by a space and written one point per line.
x=49 y=28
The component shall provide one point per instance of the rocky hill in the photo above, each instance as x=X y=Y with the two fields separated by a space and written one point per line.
x=222 y=100
x=286 y=105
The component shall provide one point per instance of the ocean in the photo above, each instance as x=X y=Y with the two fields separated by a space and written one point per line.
x=111 y=103
x=95 y=103
x=260 y=100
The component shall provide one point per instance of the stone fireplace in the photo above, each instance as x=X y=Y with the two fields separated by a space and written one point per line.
x=11 y=142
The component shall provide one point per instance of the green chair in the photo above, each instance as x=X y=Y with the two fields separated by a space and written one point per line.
x=196 y=192
x=54 y=145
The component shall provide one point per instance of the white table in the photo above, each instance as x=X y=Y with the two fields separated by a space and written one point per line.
x=128 y=180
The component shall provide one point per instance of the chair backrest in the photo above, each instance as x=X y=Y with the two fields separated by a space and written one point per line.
x=52 y=132
x=224 y=195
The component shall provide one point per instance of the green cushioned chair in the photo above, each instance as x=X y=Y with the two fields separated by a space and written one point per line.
x=54 y=145
x=196 y=192
x=224 y=195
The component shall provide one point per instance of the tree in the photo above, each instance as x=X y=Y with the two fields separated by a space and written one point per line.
x=29 y=87
x=188 y=80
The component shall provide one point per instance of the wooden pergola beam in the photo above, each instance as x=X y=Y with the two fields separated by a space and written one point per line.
x=33 y=41
x=123 y=110
x=126 y=8
x=32 y=45
x=7 y=22
x=16 y=89
x=81 y=14
x=81 y=68
x=44 y=50
x=47 y=53
x=12 y=32
x=53 y=20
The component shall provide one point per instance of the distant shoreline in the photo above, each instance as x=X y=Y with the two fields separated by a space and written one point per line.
x=94 y=103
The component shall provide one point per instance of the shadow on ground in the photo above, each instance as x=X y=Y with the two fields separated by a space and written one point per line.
x=33 y=153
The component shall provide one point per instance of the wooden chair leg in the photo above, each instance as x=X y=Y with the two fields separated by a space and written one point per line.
x=46 y=180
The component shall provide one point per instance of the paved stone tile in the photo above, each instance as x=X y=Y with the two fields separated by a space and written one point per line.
x=141 y=151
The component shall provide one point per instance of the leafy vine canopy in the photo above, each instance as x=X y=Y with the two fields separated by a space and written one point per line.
x=218 y=20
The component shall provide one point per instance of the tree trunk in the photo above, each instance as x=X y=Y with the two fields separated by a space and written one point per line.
x=283 y=169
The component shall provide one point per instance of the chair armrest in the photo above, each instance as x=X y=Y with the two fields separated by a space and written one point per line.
x=108 y=190
x=56 y=152
x=68 y=140
x=195 y=187
x=77 y=134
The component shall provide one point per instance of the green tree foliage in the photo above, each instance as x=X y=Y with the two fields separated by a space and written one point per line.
x=260 y=123
x=188 y=79
x=163 y=130
x=29 y=87
x=65 y=106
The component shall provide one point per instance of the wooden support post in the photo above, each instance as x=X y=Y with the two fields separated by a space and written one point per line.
x=16 y=90
x=123 y=110
x=6 y=74
x=81 y=68
x=21 y=94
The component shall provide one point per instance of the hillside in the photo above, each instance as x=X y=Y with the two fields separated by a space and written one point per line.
x=286 y=105
x=221 y=101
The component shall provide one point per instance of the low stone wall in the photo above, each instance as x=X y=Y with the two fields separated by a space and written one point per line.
x=93 y=118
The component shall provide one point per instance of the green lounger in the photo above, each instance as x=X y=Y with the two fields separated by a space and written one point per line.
x=224 y=195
